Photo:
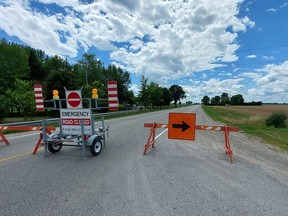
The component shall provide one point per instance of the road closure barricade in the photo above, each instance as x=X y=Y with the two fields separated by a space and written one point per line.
x=151 y=139
x=25 y=128
x=154 y=126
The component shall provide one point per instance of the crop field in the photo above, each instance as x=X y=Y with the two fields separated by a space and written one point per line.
x=264 y=110
x=252 y=120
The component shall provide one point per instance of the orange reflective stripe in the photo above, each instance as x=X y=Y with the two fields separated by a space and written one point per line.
x=216 y=128
x=149 y=125
x=26 y=128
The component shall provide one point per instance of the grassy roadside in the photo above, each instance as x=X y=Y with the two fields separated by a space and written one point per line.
x=251 y=124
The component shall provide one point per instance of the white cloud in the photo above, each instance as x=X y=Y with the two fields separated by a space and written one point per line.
x=275 y=9
x=268 y=57
x=251 y=56
x=212 y=88
x=271 y=82
x=17 y=19
x=248 y=22
x=135 y=89
x=271 y=10
x=284 y=5
x=163 y=39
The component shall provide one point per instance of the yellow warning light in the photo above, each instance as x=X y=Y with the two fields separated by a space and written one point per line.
x=94 y=93
x=55 y=95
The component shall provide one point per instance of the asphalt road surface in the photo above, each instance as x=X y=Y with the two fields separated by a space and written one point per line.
x=175 y=178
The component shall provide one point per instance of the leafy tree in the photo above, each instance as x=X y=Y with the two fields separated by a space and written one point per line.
x=23 y=96
x=144 y=93
x=237 y=99
x=13 y=64
x=215 y=100
x=155 y=93
x=206 y=100
x=131 y=99
x=166 y=97
x=177 y=93
x=92 y=68
x=4 y=108
x=225 y=98
x=37 y=72
x=60 y=76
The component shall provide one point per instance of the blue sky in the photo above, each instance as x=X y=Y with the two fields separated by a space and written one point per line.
x=207 y=47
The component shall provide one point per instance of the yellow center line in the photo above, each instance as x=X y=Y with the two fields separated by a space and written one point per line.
x=18 y=155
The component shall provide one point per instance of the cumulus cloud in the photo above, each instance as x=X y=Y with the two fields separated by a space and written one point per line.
x=271 y=81
x=17 y=19
x=161 y=39
x=212 y=88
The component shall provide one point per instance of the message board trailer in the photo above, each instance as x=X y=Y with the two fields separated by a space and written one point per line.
x=76 y=122
x=78 y=135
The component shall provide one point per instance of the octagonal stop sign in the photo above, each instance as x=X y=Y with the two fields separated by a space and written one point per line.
x=73 y=99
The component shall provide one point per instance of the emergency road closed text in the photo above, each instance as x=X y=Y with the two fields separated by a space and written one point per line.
x=77 y=121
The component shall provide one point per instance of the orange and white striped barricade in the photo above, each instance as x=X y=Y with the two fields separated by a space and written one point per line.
x=26 y=128
x=39 y=143
x=151 y=139
x=226 y=129
x=16 y=128
x=3 y=138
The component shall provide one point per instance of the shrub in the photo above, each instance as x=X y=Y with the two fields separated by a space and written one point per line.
x=277 y=120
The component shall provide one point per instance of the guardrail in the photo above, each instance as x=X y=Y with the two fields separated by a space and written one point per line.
x=56 y=120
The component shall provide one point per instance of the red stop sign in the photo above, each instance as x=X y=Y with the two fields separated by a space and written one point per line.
x=74 y=99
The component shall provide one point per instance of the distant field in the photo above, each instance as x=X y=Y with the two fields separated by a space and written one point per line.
x=252 y=120
x=264 y=110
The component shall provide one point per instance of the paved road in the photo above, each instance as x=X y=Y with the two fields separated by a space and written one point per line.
x=175 y=178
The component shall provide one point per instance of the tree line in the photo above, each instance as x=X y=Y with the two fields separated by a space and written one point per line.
x=22 y=66
x=224 y=99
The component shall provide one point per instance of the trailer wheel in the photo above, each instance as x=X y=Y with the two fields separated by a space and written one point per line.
x=54 y=146
x=96 y=147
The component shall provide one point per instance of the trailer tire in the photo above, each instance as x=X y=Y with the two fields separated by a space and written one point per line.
x=54 y=146
x=96 y=147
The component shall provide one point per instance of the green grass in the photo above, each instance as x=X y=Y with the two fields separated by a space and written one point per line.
x=250 y=124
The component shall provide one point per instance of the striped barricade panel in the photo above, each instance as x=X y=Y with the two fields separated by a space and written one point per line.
x=112 y=95
x=39 y=97
x=157 y=125
x=216 y=128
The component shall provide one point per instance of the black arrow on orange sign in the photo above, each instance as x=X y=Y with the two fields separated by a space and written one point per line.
x=184 y=126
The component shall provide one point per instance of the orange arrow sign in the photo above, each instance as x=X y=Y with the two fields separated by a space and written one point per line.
x=182 y=126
